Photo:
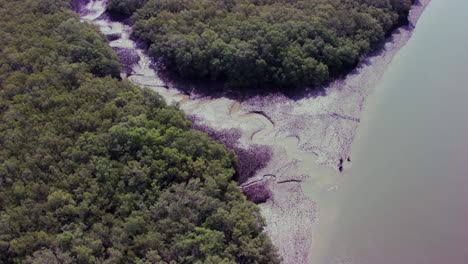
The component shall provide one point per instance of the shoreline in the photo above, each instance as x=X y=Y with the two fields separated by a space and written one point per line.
x=291 y=214
x=300 y=135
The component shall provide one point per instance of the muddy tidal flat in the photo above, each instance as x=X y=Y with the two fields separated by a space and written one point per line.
x=287 y=142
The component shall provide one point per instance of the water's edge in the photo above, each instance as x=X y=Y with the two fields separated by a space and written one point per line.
x=403 y=197
x=296 y=138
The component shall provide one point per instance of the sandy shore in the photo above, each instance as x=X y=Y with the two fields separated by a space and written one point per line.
x=300 y=137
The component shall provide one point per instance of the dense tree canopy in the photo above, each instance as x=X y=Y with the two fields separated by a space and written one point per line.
x=252 y=42
x=97 y=170
x=125 y=7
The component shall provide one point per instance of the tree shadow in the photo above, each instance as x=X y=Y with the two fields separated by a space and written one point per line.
x=205 y=88
x=78 y=5
x=202 y=88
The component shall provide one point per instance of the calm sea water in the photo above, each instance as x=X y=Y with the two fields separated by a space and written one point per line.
x=403 y=199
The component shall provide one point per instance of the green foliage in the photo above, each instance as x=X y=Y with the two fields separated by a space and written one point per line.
x=125 y=7
x=253 y=42
x=96 y=170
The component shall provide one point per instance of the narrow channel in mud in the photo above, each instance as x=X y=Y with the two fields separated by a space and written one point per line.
x=142 y=73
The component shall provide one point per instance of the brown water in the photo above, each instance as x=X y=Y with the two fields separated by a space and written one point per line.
x=403 y=199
